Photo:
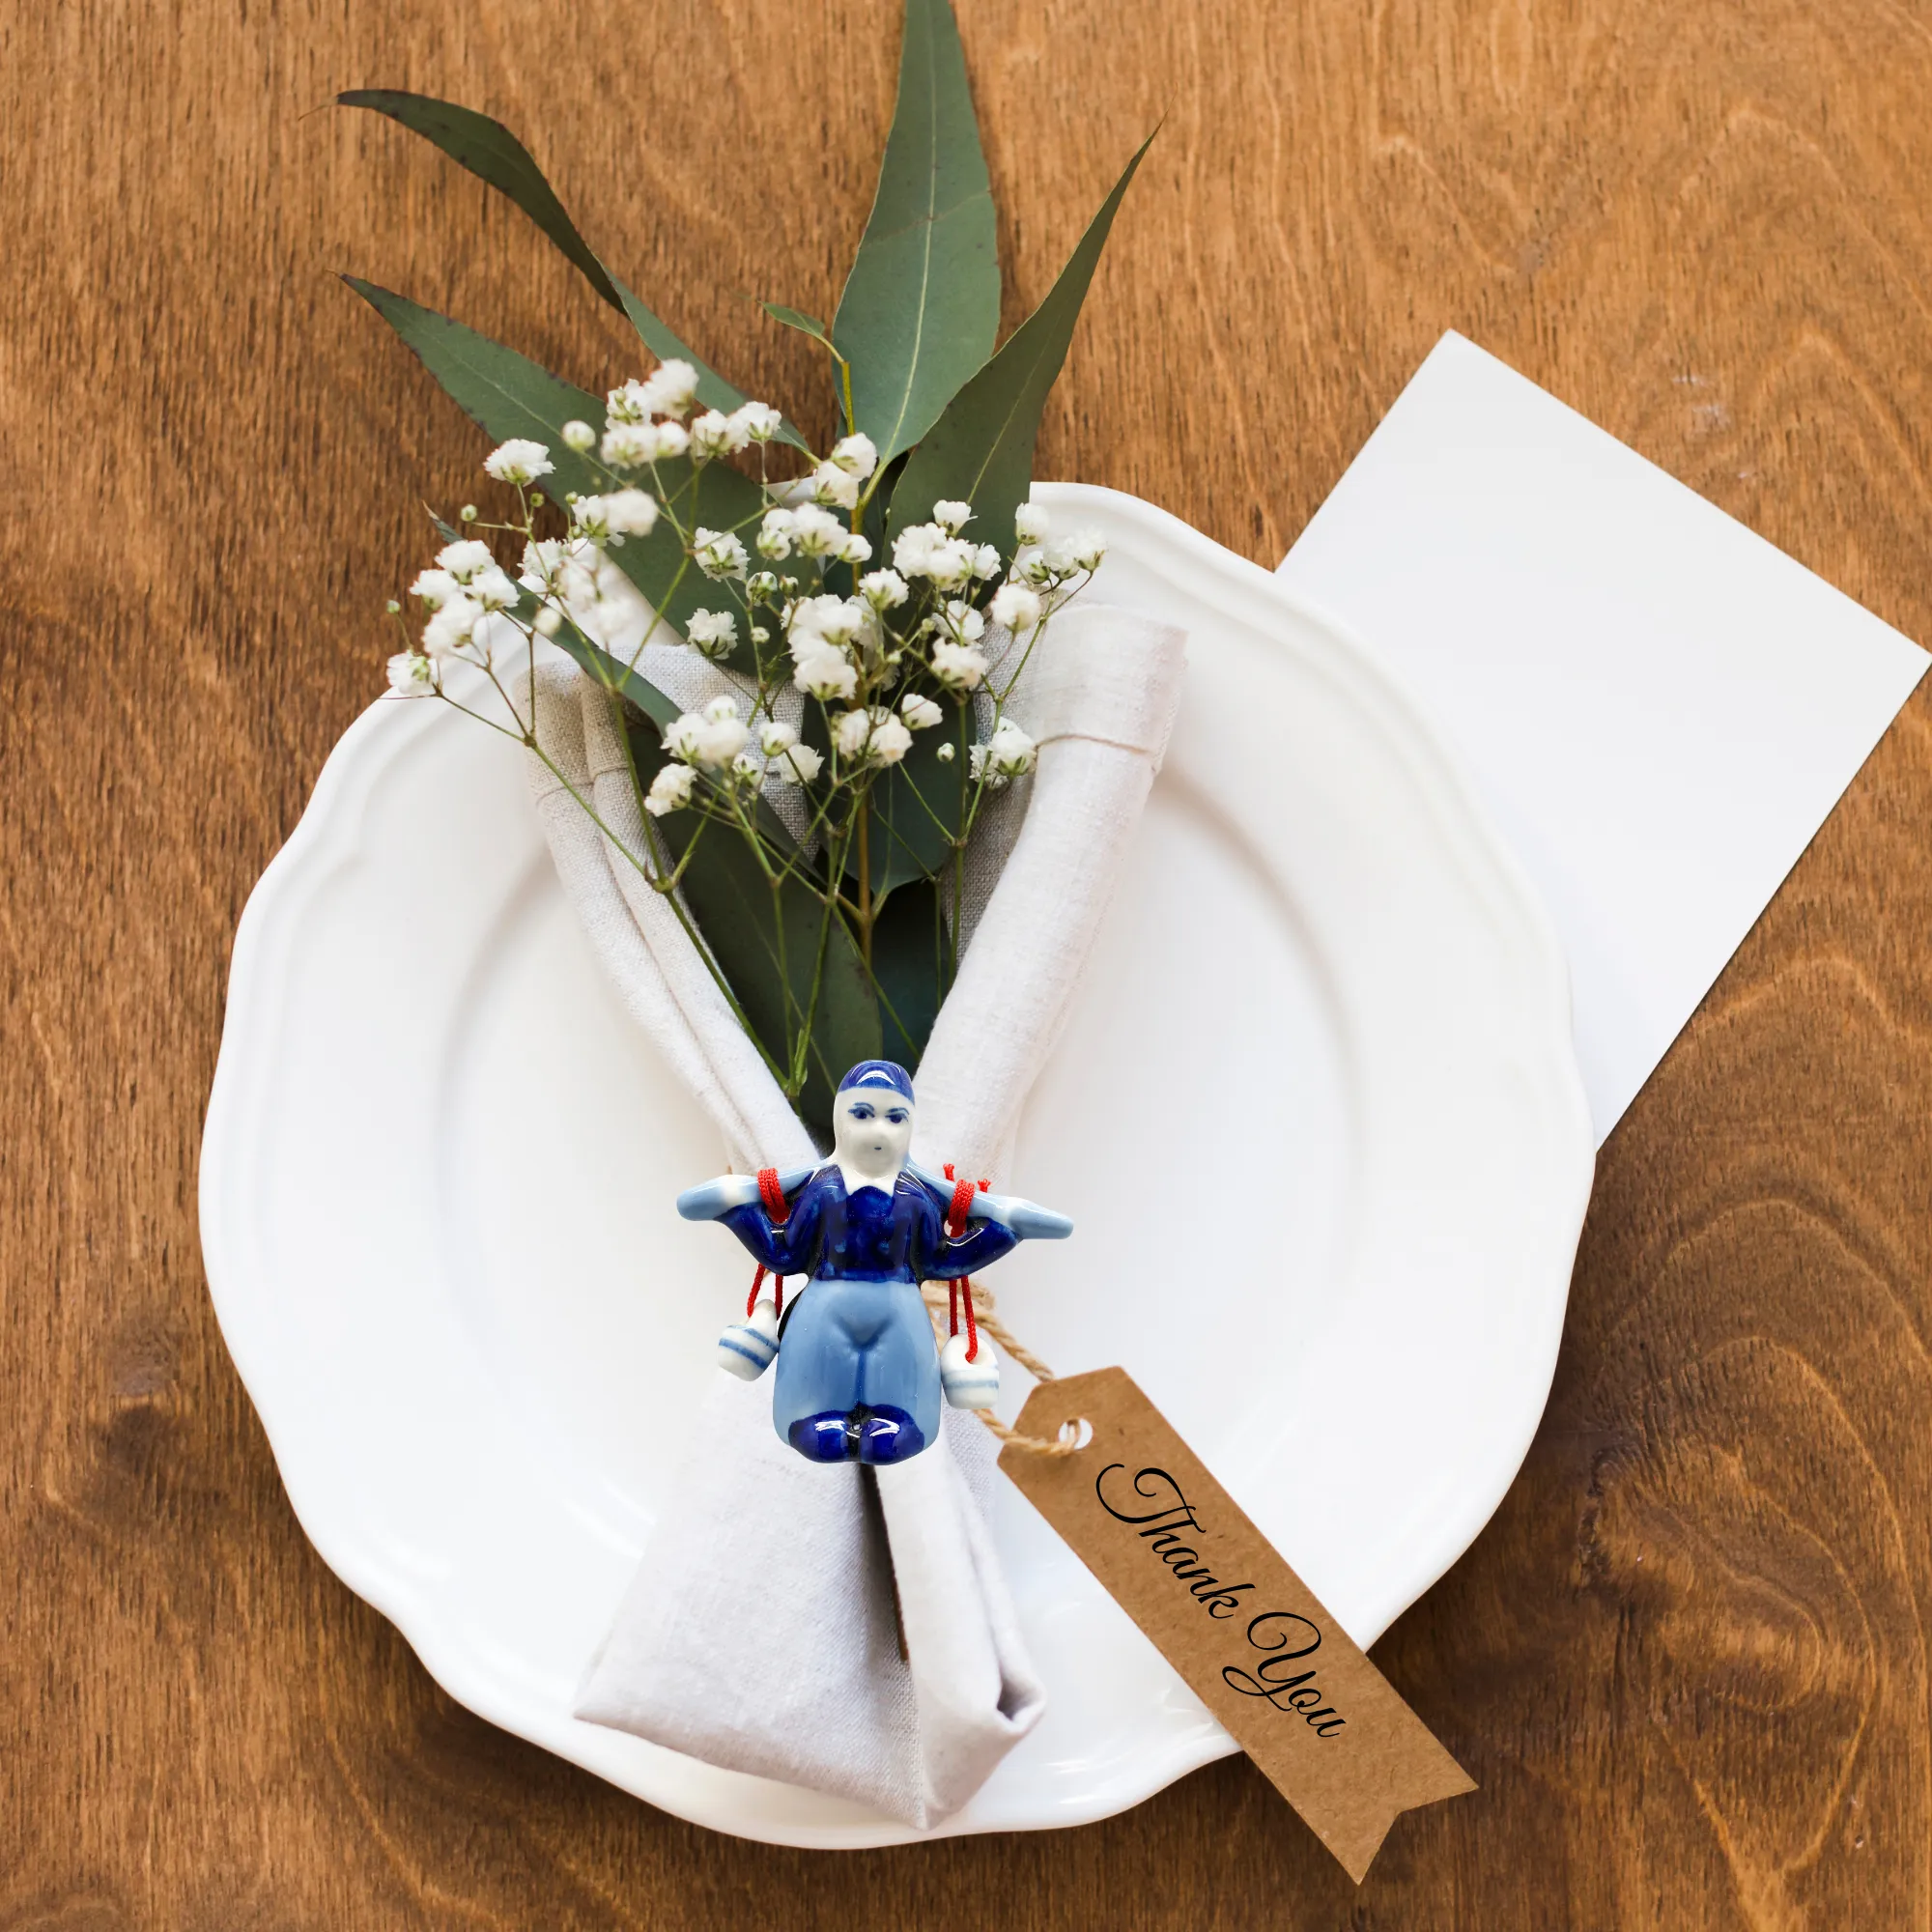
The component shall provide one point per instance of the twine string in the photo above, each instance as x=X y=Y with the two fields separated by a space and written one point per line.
x=938 y=1298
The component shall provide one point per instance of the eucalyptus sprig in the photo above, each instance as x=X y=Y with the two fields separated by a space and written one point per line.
x=809 y=822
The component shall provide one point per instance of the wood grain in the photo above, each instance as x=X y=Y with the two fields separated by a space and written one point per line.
x=1688 y=1660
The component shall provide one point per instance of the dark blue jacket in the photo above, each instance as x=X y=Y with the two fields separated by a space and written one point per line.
x=834 y=1236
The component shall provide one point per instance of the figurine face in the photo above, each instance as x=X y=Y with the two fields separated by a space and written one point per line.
x=871 y=1131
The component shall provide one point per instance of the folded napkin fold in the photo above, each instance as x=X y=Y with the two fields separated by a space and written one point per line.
x=759 y=1634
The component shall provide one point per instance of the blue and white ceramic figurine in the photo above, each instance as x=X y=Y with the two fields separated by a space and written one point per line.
x=860 y=1378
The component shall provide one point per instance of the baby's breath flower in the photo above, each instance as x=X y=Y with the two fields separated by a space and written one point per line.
x=713 y=632
x=589 y=517
x=825 y=622
x=835 y=486
x=823 y=674
x=957 y=666
x=849 y=731
x=774 y=534
x=492 y=589
x=630 y=445
x=964 y=623
x=436 y=587
x=759 y=421
x=549 y=621
x=1016 y=605
x=944 y=753
x=409 y=674
x=713 y=736
x=856 y=454
x=797 y=764
x=874 y=736
x=892 y=740
x=448 y=630
x=631 y=513
x=579 y=436
x=1030 y=523
x=519 y=461
x=468 y=514
x=673 y=438
x=669 y=789
x=628 y=403
x=855 y=550
x=715 y=434
x=465 y=558
x=816 y=532
x=1009 y=753
x=745 y=766
x=762 y=587
x=927 y=550
x=882 y=589
x=719 y=554
x=986 y=560
x=543 y=567
x=921 y=714
x=1088 y=548
x=759 y=635
x=775 y=737
x=951 y=516
x=671 y=388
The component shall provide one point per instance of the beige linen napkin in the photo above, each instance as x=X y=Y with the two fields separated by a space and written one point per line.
x=759 y=1633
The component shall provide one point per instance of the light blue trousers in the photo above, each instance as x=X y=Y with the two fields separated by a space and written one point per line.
x=849 y=1344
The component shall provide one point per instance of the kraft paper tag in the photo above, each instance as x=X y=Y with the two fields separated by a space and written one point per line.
x=1165 y=1540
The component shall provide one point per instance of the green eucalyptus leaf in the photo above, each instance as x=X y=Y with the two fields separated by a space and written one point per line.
x=796 y=318
x=507 y=394
x=921 y=311
x=493 y=155
x=613 y=676
x=980 y=449
x=917 y=806
x=767 y=945
x=504 y=393
x=908 y=950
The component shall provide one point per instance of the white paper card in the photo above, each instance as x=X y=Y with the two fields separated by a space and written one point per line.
x=1658 y=708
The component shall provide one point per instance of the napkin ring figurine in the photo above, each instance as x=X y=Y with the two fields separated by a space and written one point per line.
x=859 y=1377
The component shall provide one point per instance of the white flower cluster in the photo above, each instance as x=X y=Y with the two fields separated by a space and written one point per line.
x=791 y=761
x=836 y=481
x=1047 y=563
x=811 y=530
x=519 y=461
x=847 y=646
x=611 y=518
x=645 y=422
x=716 y=742
x=939 y=553
x=465 y=586
x=1009 y=753
x=823 y=635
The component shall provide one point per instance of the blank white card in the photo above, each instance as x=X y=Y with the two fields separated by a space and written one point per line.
x=1658 y=708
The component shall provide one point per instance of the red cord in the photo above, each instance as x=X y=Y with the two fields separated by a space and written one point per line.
x=780 y=1209
x=773 y=1196
x=955 y=1226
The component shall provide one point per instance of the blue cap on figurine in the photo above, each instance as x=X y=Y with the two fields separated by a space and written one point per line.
x=879 y=1074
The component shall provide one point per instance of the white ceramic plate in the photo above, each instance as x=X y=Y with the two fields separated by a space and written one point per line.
x=1317 y=1117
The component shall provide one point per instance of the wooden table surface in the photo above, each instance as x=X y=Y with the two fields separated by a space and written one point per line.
x=1687 y=1660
